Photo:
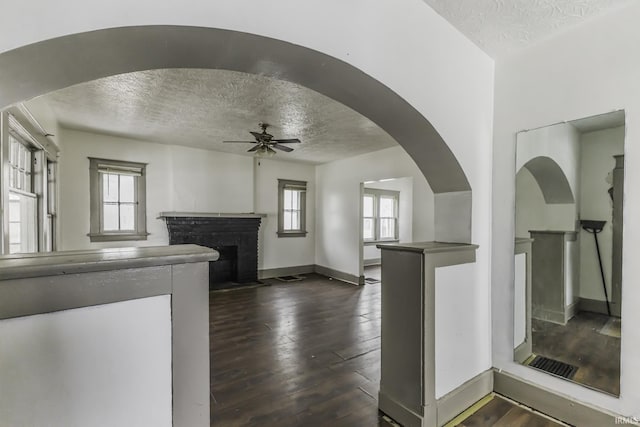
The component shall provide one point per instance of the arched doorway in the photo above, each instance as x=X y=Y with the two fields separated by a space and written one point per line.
x=87 y=56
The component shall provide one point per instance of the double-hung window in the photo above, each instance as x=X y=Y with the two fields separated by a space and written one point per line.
x=292 y=208
x=118 y=200
x=27 y=223
x=23 y=202
x=380 y=215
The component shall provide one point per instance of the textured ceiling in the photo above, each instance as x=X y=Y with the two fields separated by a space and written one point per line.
x=501 y=26
x=201 y=108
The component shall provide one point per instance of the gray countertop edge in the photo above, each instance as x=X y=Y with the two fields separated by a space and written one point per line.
x=73 y=262
x=210 y=215
x=428 y=247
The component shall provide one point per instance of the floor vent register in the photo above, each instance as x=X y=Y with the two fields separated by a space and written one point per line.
x=554 y=367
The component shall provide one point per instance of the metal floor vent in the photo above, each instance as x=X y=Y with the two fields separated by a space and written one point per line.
x=554 y=367
x=371 y=280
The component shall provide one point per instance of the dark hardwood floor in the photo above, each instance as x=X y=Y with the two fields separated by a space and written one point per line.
x=501 y=412
x=581 y=344
x=296 y=354
x=307 y=354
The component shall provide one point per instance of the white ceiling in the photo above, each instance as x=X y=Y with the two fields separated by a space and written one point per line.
x=501 y=26
x=600 y=122
x=201 y=108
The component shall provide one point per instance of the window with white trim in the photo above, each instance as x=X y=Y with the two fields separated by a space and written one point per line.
x=118 y=200
x=292 y=208
x=380 y=215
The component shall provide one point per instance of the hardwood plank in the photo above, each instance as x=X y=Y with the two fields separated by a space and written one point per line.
x=501 y=412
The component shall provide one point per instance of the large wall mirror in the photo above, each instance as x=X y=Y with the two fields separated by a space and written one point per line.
x=568 y=250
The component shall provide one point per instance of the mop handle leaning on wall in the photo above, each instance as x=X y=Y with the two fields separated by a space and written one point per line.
x=595 y=227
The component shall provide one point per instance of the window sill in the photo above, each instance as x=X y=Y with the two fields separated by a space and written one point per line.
x=375 y=242
x=117 y=237
x=291 y=233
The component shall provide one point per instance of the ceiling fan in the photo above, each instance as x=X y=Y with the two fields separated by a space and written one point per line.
x=265 y=143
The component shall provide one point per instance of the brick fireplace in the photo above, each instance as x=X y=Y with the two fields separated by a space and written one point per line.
x=234 y=236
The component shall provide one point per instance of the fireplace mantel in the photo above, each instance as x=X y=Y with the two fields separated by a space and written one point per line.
x=210 y=215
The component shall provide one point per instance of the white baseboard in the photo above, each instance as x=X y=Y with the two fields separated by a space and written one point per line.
x=340 y=275
x=556 y=405
x=458 y=400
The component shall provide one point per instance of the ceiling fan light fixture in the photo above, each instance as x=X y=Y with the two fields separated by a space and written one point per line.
x=265 y=143
x=265 y=151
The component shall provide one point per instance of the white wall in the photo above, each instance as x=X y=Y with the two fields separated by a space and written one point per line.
x=560 y=142
x=206 y=181
x=178 y=179
x=533 y=213
x=188 y=180
x=274 y=251
x=581 y=73
x=46 y=118
x=73 y=210
x=108 y=365
x=338 y=204
x=405 y=212
x=598 y=149
x=458 y=332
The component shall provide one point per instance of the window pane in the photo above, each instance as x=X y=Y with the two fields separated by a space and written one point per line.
x=109 y=188
x=367 y=205
x=24 y=182
x=110 y=217
x=387 y=228
x=127 y=217
x=367 y=231
x=14 y=208
x=296 y=200
x=288 y=199
x=14 y=233
x=295 y=220
x=127 y=188
x=22 y=224
x=287 y=220
x=387 y=207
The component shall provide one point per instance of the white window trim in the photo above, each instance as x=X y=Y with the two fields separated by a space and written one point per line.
x=301 y=185
x=96 y=168
x=376 y=194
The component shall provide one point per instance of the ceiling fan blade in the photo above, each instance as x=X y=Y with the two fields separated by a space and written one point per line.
x=257 y=135
x=253 y=148
x=243 y=142
x=282 y=147
x=286 y=141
